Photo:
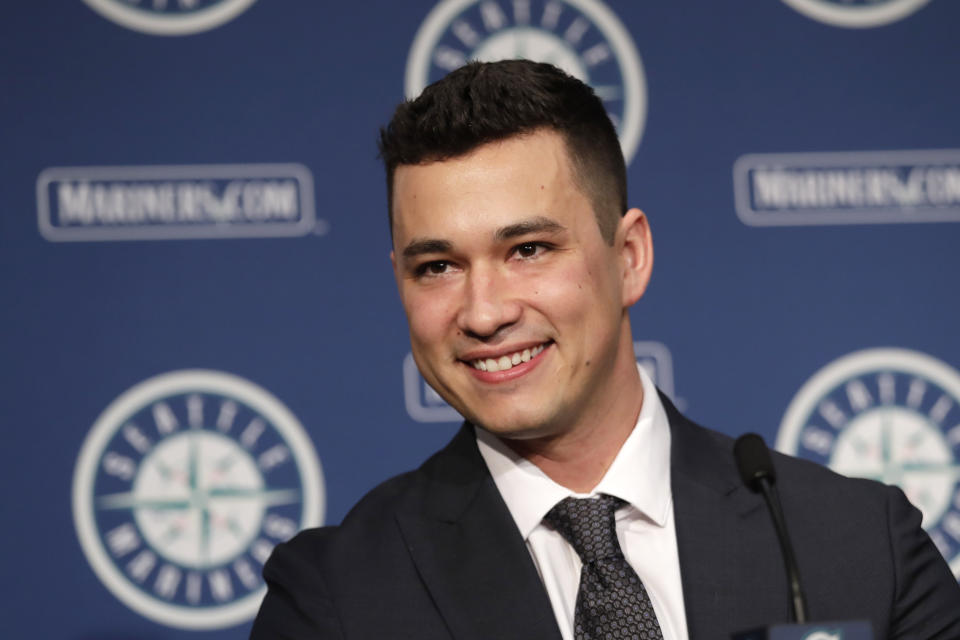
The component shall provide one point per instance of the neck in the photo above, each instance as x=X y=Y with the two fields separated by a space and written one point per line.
x=579 y=459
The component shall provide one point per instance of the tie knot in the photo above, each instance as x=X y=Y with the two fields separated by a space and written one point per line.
x=589 y=525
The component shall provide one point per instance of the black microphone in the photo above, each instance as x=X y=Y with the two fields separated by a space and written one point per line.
x=756 y=470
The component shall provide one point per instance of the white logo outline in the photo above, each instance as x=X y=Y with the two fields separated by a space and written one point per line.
x=307 y=223
x=614 y=33
x=843 y=161
x=157 y=24
x=857 y=17
x=851 y=366
x=89 y=459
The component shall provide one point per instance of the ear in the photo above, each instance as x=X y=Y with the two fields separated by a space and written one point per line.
x=635 y=245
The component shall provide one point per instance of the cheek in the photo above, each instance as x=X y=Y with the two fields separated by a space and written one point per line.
x=429 y=316
x=562 y=294
x=578 y=298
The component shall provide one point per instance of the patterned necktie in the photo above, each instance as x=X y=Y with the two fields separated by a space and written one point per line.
x=612 y=602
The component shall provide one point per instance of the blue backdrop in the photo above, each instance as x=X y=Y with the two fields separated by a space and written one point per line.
x=202 y=346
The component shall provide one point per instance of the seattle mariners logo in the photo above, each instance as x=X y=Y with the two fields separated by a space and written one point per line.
x=182 y=488
x=857 y=13
x=170 y=17
x=583 y=37
x=891 y=415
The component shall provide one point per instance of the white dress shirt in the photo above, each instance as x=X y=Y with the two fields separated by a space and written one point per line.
x=639 y=475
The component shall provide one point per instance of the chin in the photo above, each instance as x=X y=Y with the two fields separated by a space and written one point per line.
x=517 y=428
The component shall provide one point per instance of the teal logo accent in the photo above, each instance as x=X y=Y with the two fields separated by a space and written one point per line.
x=582 y=37
x=891 y=415
x=183 y=487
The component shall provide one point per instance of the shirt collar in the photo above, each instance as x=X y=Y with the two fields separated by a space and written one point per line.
x=639 y=475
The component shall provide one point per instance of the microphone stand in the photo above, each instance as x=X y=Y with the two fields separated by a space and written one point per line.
x=798 y=602
x=758 y=474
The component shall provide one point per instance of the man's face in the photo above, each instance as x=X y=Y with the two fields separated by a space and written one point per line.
x=516 y=304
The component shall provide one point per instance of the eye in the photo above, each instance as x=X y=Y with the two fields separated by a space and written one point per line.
x=529 y=250
x=432 y=268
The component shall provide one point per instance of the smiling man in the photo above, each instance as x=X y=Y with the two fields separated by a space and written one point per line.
x=517 y=304
x=575 y=502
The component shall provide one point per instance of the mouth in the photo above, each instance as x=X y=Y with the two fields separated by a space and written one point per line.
x=508 y=360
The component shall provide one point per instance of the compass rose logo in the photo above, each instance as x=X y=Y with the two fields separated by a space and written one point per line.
x=891 y=415
x=170 y=17
x=857 y=14
x=183 y=487
x=582 y=37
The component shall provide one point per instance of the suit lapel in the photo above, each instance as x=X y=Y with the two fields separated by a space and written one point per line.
x=715 y=515
x=470 y=554
x=478 y=571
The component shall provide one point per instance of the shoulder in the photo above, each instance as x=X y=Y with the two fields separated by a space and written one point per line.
x=370 y=531
x=850 y=517
x=859 y=542
x=369 y=521
x=707 y=456
x=312 y=578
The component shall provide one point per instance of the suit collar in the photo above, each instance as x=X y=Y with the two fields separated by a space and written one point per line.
x=639 y=474
x=476 y=566
x=699 y=456
x=470 y=554
x=714 y=514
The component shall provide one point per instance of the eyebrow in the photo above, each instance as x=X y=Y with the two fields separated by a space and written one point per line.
x=538 y=224
x=420 y=247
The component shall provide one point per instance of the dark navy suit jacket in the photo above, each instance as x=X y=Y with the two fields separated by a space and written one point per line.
x=434 y=553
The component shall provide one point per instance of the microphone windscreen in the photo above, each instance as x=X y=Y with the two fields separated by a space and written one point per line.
x=753 y=460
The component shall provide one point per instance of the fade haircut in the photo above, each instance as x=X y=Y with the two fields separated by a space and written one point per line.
x=484 y=102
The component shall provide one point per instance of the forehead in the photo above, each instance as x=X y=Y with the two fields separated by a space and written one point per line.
x=493 y=185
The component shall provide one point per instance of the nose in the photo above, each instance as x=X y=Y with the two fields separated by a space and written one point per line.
x=489 y=304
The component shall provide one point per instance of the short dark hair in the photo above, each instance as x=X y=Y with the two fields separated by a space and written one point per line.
x=483 y=102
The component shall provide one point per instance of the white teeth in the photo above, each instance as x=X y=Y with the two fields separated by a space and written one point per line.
x=508 y=361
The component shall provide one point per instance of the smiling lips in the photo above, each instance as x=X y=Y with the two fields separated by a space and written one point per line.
x=508 y=361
